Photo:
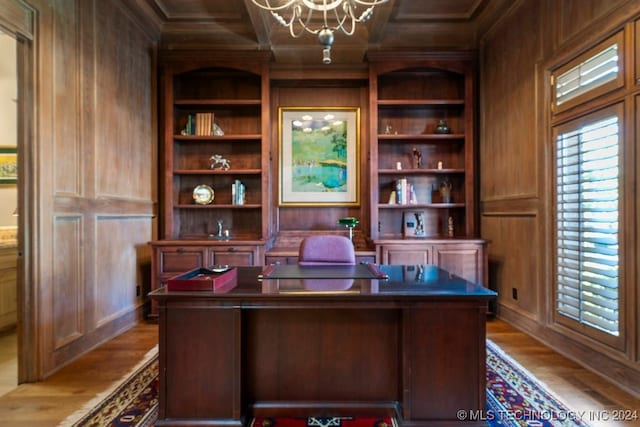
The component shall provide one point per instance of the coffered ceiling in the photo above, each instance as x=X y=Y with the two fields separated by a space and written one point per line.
x=397 y=24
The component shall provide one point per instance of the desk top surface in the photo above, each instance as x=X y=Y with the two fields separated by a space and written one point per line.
x=340 y=281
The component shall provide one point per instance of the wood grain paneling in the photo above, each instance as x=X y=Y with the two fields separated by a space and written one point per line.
x=67 y=280
x=508 y=150
x=576 y=15
x=116 y=271
x=516 y=166
x=67 y=145
x=99 y=205
x=124 y=123
x=513 y=261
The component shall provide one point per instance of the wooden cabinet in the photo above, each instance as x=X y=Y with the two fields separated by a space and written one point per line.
x=412 y=96
x=464 y=258
x=8 y=287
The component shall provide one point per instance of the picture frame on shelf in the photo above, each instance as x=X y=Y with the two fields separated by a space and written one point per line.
x=413 y=224
x=319 y=156
x=8 y=165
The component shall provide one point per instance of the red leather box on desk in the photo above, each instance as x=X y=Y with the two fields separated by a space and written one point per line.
x=204 y=279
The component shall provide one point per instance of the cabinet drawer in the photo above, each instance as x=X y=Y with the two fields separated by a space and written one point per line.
x=281 y=260
x=407 y=254
x=177 y=260
x=231 y=255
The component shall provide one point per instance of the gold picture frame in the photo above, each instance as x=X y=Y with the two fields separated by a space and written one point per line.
x=319 y=156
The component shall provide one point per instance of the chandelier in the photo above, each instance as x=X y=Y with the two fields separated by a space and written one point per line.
x=336 y=15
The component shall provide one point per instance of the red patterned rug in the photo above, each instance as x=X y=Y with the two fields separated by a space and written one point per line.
x=514 y=399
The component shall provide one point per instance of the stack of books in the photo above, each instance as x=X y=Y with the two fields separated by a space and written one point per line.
x=199 y=124
x=237 y=193
x=403 y=194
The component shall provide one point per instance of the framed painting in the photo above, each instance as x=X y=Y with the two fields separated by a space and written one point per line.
x=319 y=156
x=8 y=165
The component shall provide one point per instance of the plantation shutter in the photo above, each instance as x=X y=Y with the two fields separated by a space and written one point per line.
x=587 y=181
x=593 y=72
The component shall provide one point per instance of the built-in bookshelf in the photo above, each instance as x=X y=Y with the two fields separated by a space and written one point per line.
x=422 y=139
x=214 y=137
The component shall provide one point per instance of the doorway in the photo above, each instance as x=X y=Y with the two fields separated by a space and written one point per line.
x=8 y=212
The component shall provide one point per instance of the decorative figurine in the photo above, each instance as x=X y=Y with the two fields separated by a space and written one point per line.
x=218 y=160
x=217 y=130
x=445 y=191
x=388 y=129
x=442 y=127
x=450 y=227
x=219 y=235
x=417 y=158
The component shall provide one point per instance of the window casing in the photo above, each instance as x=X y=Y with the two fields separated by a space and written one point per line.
x=588 y=157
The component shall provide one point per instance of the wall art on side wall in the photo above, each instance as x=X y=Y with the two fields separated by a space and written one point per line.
x=8 y=165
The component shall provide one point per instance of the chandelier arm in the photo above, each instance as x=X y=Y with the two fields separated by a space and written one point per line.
x=267 y=5
x=304 y=25
x=341 y=22
x=370 y=2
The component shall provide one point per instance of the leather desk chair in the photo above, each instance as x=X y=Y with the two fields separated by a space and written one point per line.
x=326 y=250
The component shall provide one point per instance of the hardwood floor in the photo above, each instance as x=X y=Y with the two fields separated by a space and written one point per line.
x=49 y=402
x=581 y=390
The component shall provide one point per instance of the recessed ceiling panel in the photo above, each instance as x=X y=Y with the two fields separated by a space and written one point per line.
x=419 y=10
x=202 y=10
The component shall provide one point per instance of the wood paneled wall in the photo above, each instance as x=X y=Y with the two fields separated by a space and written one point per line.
x=515 y=168
x=90 y=180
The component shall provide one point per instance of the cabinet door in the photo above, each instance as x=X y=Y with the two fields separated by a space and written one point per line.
x=464 y=260
x=232 y=255
x=406 y=254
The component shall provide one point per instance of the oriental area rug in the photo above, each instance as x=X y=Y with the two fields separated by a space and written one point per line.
x=514 y=399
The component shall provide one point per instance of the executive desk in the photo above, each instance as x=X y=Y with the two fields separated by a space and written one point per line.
x=411 y=345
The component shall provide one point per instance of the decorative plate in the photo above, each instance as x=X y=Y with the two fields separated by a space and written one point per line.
x=219 y=268
x=203 y=194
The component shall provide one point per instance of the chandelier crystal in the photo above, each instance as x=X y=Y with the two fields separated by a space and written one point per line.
x=297 y=15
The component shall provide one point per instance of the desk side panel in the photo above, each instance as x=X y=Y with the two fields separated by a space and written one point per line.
x=202 y=349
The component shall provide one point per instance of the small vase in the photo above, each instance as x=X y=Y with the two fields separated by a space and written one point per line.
x=442 y=127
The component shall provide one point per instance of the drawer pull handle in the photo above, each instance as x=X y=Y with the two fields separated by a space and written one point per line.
x=180 y=250
x=232 y=249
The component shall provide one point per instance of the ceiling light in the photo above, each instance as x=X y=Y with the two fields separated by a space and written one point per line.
x=336 y=15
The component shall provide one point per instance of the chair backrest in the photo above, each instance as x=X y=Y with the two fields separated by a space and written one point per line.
x=326 y=250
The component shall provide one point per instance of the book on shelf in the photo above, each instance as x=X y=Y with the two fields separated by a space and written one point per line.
x=199 y=124
x=238 y=193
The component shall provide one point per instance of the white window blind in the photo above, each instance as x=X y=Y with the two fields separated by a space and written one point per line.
x=595 y=71
x=587 y=178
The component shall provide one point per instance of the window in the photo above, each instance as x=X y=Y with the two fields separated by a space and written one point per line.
x=587 y=220
x=591 y=74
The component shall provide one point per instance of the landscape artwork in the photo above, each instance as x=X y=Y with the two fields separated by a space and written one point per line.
x=8 y=165
x=319 y=151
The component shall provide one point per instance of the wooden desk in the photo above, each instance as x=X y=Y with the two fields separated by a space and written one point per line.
x=412 y=345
